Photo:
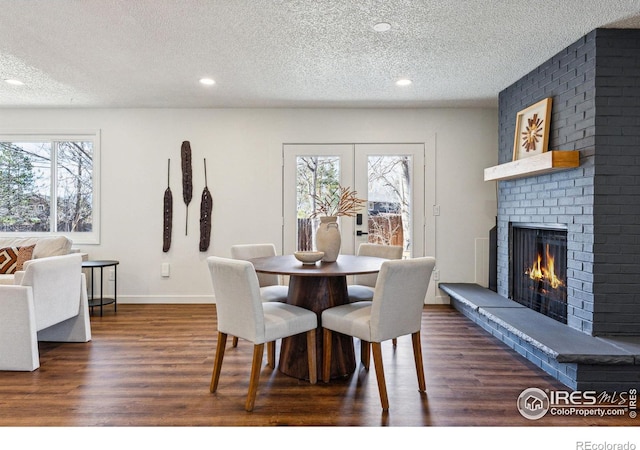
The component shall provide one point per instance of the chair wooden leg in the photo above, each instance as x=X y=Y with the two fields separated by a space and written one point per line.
x=417 y=356
x=217 y=365
x=312 y=353
x=271 y=354
x=258 y=351
x=395 y=342
x=234 y=342
x=326 y=361
x=382 y=386
x=365 y=353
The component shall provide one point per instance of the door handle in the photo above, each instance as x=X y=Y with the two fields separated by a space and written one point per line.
x=360 y=233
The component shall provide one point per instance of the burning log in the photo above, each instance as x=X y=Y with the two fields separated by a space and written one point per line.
x=545 y=273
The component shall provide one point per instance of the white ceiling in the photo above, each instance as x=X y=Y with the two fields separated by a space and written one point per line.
x=284 y=53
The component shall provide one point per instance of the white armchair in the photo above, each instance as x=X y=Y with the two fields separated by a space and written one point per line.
x=48 y=302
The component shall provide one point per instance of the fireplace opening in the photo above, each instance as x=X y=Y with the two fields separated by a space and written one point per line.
x=538 y=268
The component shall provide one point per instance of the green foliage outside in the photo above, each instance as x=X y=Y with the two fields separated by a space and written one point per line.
x=26 y=186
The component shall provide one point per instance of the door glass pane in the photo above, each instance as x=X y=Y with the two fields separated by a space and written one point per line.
x=314 y=175
x=389 y=200
x=25 y=186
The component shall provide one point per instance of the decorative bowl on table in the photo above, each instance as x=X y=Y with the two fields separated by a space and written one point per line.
x=308 y=258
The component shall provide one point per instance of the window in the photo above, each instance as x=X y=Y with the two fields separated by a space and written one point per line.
x=49 y=184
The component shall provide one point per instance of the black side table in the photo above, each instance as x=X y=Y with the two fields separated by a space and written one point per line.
x=102 y=300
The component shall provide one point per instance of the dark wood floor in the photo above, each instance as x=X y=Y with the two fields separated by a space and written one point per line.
x=150 y=365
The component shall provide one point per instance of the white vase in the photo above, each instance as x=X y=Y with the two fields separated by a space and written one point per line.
x=328 y=238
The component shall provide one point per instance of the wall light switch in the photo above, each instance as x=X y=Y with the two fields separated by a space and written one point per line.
x=165 y=269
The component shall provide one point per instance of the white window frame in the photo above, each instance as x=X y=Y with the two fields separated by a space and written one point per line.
x=84 y=237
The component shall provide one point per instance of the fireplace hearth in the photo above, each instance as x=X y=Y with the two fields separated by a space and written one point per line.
x=538 y=268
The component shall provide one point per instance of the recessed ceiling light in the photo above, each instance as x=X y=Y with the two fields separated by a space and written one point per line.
x=14 y=82
x=207 y=81
x=403 y=82
x=381 y=27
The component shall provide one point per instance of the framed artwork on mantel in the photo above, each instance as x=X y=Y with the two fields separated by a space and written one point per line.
x=532 y=130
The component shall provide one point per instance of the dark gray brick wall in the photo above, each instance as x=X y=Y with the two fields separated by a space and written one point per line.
x=595 y=87
x=617 y=183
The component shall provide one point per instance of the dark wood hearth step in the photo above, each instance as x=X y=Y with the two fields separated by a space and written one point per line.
x=561 y=342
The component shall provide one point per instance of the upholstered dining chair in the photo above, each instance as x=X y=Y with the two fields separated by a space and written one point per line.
x=395 y=310
x=363 y=285
x=242 y=313
x=270 y=288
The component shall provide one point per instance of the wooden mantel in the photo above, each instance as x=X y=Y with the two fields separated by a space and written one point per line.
x=547 y=162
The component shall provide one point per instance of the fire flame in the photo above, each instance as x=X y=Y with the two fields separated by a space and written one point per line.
x=539 y=273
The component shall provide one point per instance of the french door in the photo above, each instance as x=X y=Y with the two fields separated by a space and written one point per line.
x=390 y=177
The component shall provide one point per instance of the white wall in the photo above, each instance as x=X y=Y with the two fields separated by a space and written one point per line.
x=243 y=148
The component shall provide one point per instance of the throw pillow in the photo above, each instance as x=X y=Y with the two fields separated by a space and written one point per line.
x=24 y=254
x=8 y=259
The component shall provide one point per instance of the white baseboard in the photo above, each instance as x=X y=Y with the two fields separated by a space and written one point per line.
x=210 y=299
x=440 y=300
x=166 y=299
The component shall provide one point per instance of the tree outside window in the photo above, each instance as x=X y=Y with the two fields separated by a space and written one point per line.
x=388 y=193
x=316 y=176
x=47 y=186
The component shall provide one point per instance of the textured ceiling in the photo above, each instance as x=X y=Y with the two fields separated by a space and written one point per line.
x=283 y=53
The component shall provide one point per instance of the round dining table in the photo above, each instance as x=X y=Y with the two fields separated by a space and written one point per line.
x=317 y=287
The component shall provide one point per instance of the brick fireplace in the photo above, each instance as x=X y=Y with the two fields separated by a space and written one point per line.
x=595 y=86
